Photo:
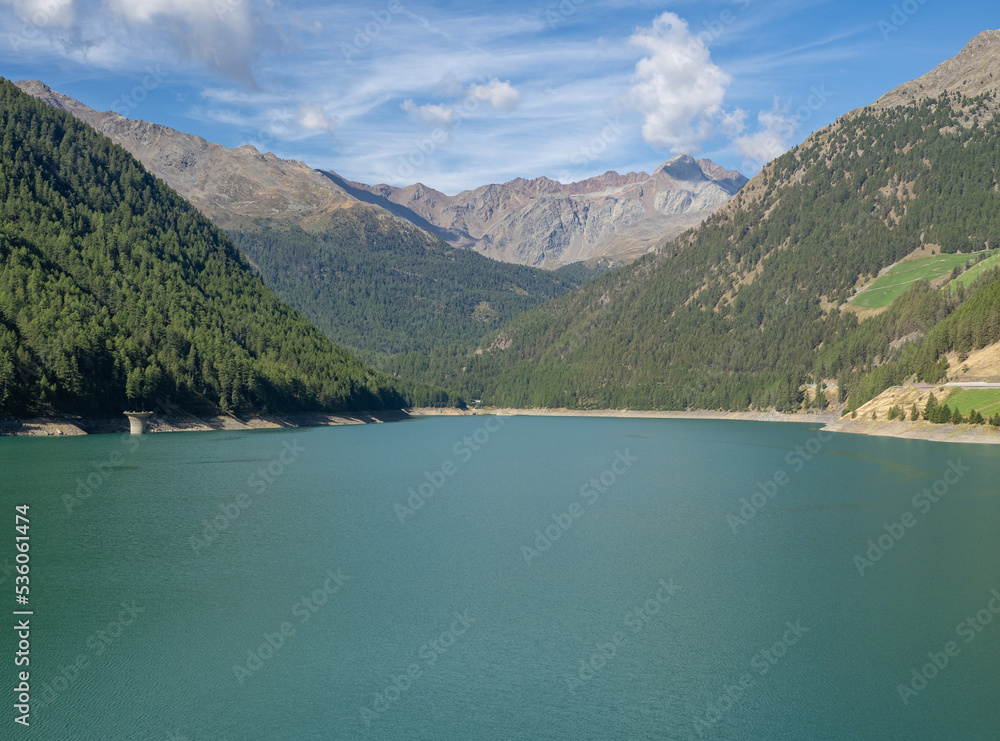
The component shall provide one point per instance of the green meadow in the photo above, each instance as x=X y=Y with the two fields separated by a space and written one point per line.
x=985 y=401
x=887 y=287
x=976 y=270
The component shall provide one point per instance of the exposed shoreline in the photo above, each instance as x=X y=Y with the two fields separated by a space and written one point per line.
x=833 y=422
x=820 y=417
x=60 y=426
x=66 y=426
x=920 y=430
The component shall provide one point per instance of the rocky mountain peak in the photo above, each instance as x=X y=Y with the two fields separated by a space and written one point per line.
x=44 y=93
x=546 y=223
x=683 y=167
x=229 y=185
x=973 y=71
x=537 y=221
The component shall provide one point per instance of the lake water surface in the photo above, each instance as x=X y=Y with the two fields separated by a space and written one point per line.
x=494 y=579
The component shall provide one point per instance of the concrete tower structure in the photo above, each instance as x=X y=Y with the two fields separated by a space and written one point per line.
x=137 y=421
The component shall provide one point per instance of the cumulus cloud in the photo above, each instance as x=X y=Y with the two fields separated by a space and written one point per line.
x=219 y=33
x=501 y=95
x=314 y=118
x=773 y=138
x=430 y=114
x=733 y=123
x=677 y=87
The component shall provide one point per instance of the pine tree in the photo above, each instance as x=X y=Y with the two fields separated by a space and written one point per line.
x=930 y=407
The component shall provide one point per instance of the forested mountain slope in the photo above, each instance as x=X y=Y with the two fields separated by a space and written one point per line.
x=742 y=311
x=384 y=291
x=116 y=293
x=367 y=278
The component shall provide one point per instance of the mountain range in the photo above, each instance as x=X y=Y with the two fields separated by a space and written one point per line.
x=865 y=258
x=539 y=222
x=765 y=297
x=544 y=223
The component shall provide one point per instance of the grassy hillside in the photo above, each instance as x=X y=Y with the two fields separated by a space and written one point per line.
x=740 y=312
x=888 y=287
x=115 y=293
x=985 y=401
x=985 y=263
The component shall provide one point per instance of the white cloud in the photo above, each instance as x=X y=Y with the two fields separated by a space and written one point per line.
x=773 y=139
x=449 y=85
x=315 y=118
x=677 y=88
x=43 y=13
x=217 y=33
x=430 y=114
x=733 y=123
x=501 y=95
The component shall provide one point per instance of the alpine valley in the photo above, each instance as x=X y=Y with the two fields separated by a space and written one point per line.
x=670 y=453
x=777 y=301
x=859 y=263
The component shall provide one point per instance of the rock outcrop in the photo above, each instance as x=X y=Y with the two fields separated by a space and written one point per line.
x=611 y=218
x=545 y=223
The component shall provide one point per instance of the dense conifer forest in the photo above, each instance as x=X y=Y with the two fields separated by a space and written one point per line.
x=384 y=291
x=115 y=293
x=743 y=311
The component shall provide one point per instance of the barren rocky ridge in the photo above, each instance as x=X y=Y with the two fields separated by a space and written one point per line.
x=546 y=223
x=973 y=71
x=539 y=222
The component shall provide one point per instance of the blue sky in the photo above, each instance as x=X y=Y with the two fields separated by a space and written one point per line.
x=457 y=95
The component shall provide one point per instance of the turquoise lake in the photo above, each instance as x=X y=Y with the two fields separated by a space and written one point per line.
x=497 y=579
